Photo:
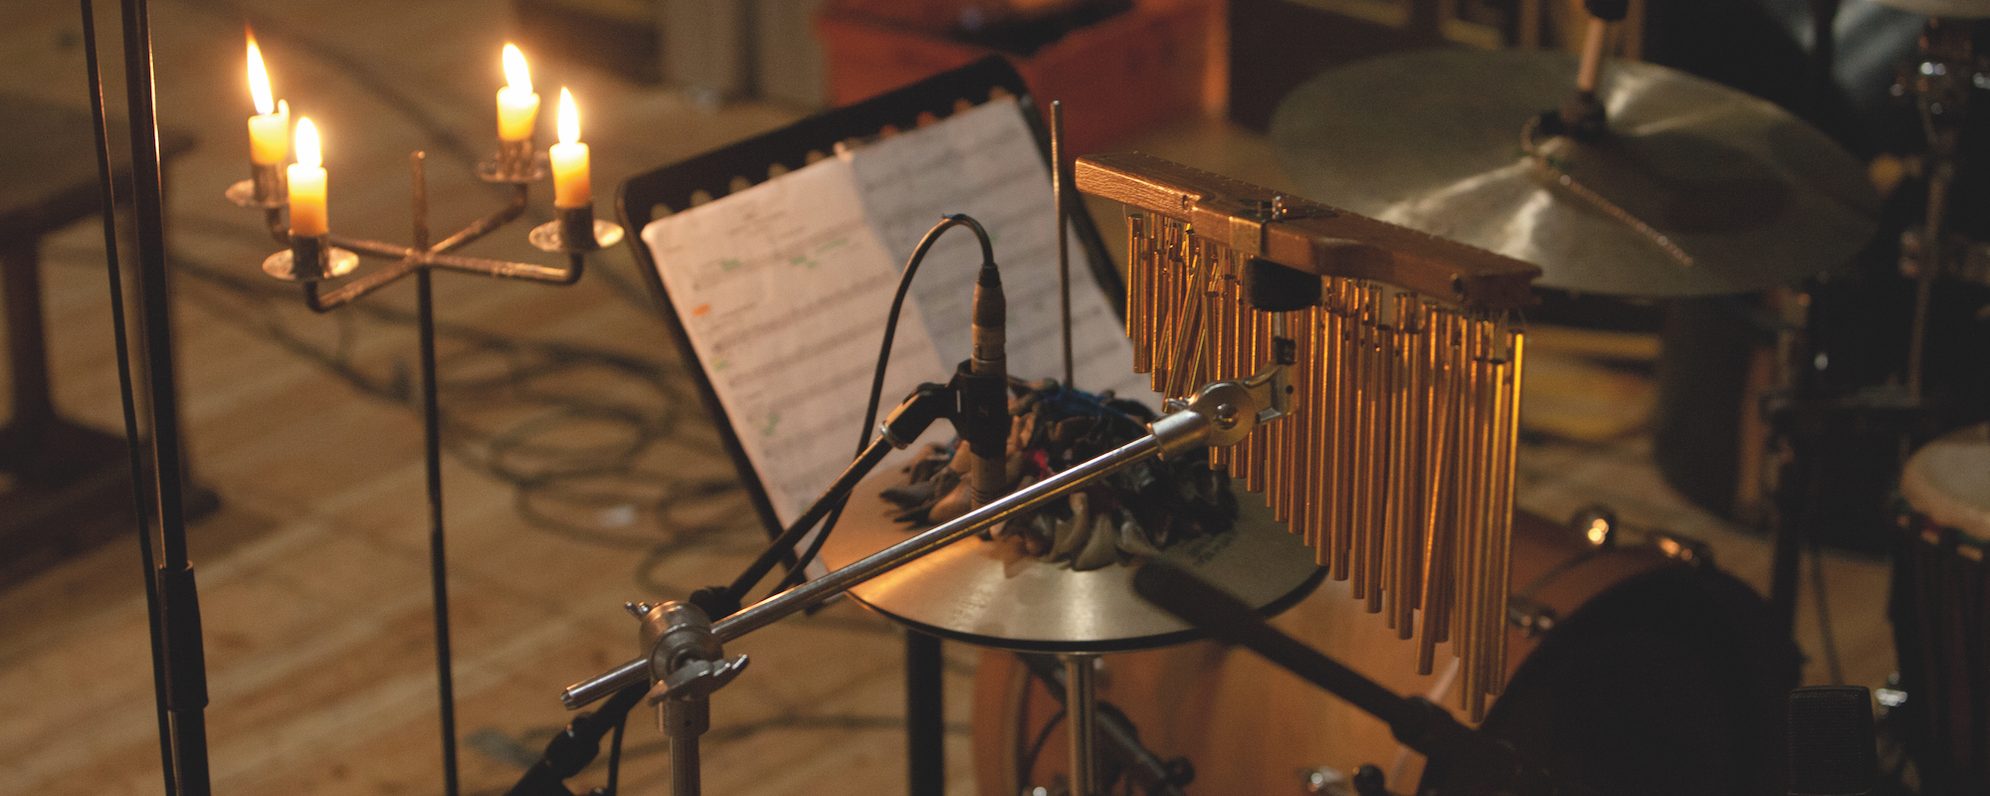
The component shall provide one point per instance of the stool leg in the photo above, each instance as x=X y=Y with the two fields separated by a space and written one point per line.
x=32 y=412
x=27 y=348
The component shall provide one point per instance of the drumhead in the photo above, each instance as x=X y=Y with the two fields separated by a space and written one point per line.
x=1948 y=481
x=1671 y=683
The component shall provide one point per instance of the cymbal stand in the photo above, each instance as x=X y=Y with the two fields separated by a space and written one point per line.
x=1115 y=734
x=1081 y=719
x=1943 y=77
x=685 y=659
x=1582 y=114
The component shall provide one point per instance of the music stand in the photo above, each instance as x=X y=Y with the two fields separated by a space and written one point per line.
x=656 y=193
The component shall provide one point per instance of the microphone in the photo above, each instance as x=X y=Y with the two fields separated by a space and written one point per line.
x=1832 y=751
x=984 y=401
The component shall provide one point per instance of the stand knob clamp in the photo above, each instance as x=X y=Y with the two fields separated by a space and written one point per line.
x=687 y=665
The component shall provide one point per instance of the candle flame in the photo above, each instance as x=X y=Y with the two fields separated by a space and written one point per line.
x=569 y=123
x=516 y=74
x=259 y=79
x=308 y=149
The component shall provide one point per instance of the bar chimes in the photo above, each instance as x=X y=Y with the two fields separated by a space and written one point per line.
x=1395 y=457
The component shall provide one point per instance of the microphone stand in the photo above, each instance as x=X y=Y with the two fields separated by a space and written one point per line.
x=576 y=746
x=1417 y=722
x=685 y=657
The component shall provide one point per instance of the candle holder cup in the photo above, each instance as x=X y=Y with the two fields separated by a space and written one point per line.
x=575 y=230
x=516 y=162
x=310 y=258
x=268 y=186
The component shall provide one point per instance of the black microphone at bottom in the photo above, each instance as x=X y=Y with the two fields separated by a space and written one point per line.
x=1419 y=723
x=1832 y=750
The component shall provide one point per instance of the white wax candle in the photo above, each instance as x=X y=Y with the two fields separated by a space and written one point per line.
x=517 y=106
x=269 y=136
x=307 y=184
x=572 y=186
x=269 y=128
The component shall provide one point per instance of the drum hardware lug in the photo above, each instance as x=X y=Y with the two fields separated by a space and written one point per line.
x=1598 y=525
x=1534 y=617
x=1684 y=549
x=1325 y=780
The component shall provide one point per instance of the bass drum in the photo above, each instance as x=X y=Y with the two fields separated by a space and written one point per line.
x=1652 y=674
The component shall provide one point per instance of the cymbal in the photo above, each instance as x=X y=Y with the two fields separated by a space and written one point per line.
x=1946 y=9
x=990 y=594
x=1697 y=190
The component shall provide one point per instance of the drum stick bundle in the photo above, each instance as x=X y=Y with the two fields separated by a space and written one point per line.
x=1395 y=458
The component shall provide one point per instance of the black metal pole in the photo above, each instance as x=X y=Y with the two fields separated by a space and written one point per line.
x=179 y=603
x=437 y=550
x=107 y=184
x=925 y=715
x=438 y=560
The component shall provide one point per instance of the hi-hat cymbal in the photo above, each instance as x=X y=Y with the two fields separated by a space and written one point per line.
x=1732 y=193
x=1947 y=9
x=990 y=594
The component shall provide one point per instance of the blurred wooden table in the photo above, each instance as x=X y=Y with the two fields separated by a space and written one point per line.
x=68 y=484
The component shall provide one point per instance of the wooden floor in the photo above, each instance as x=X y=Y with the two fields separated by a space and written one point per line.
x=582 y=471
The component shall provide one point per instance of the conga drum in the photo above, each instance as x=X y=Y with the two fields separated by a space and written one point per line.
x=1631 y=670
x=1941 y=611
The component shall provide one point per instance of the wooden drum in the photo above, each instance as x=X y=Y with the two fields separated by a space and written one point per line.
x=1645 y=674
x=1941 y=611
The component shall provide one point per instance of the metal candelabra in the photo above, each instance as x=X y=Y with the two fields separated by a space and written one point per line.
x=321 y=264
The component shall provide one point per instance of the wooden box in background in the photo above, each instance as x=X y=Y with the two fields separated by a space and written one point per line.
x=1158 y=60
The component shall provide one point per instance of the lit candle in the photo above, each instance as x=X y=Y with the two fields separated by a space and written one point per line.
x=518 y=107
x=269 y=128
x=307 y=184
x=571 y=186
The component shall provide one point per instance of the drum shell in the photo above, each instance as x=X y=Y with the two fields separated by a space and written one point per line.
x=1940 y=610
x=1248 y=727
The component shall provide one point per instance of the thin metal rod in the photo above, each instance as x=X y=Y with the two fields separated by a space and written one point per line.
x=179 y=596
x=925 y=716
x=1081 y=704
x=438 y=559
x=1594 y=35
x=1063 y=245
x=684 y=773
x=1927 y=267
x=121 y=342
x=483 y=226
x=1175 y=431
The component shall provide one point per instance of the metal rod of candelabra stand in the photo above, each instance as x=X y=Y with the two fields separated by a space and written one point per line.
x=121 y=343
x=186 y=674
x=432 y=464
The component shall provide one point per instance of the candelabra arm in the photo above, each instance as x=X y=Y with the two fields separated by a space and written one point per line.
x=326 y=300
x=512 y=209
x=505 y=268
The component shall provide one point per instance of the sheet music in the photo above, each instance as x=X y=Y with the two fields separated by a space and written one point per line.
x=783 y=288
